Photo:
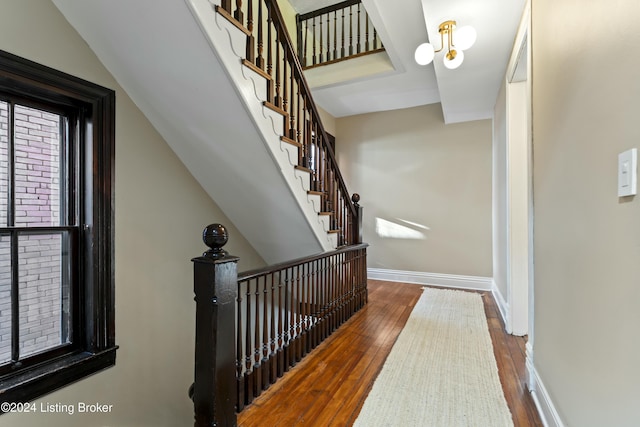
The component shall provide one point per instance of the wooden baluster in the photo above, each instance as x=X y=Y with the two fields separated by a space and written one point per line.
x=375 y=38
x=359 y=36
x=248 y=344
x=350 y=31
x=321 y=60
x=335 y=35
x=226 y=5
x=314 y=159
x=320 y=167
x=239 y=351
x=322 y=301
x=292 y=318
x=366 y=37
x=315 y=308
x=299 y=44
x=328 y=39
x=341 y=226
x=270 y=85
x=332 y=296
x=287 y=320
x=329 y=275
x=297 y=318
x=293 y=109
x=342 y=45
x=264 y=364
x=332 y=198
x=285 y=88
x=281 y=310
x=304 y=50
x=251 y=52
x=273 y=341
x=300 y=308
x=257 y=349
x=278 y=98
x=300 y=119
x=238 y=12
x=314 y=41
x=260 y=58
x=304 y=309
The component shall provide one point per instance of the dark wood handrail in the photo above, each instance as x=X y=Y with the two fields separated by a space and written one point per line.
x=252 y=274
x=297 y=68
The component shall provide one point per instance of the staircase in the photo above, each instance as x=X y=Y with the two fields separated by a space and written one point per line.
x=223 y=86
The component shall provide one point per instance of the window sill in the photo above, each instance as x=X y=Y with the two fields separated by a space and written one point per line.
x=55 y=374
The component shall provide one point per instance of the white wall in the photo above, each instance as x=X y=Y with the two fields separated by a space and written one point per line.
x=160 y=214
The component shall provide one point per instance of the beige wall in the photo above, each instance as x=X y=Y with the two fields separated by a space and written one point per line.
x=419 y=178
x=160 y=213
x=586 y=104
x=289 y=15
x=328 y=121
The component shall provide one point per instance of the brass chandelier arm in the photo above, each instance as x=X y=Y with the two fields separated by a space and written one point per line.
x=446 y=28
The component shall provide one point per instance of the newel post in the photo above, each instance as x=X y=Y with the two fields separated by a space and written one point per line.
x=355 y=198
x=215 y=286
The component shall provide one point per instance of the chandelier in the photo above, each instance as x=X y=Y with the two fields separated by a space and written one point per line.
x=464 y=38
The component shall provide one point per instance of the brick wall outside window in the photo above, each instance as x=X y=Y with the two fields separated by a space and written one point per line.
x=37 y=203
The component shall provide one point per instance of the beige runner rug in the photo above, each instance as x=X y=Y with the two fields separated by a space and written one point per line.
x=441 y=370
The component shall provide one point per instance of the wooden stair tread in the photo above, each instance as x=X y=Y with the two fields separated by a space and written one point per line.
x=325 y=213
x=334 y=231
x=226 y=15
x=315 y=193
x=302 y=168
x=275 y=108
x=255 y=68
x=290 y=141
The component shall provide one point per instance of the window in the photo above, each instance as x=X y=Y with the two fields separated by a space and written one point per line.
x=56 y=229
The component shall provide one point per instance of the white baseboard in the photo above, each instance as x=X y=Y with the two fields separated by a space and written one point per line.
x=548 y=413
x=433 y=279
x=503 y=307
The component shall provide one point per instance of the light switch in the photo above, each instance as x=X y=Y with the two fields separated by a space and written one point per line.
x=627 y=172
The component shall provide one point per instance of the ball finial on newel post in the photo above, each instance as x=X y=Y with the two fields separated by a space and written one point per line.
x=215 y=236
x=355 y=198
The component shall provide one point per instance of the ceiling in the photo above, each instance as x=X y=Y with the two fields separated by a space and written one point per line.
x=466 y=93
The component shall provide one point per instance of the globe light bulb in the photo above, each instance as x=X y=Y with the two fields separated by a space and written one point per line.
x=453 y=59
x=424 y=54
x=464 y=37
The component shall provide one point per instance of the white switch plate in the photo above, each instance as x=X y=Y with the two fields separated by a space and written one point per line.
x=627 y=172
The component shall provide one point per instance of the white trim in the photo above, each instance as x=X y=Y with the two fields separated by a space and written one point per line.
x=433 y=279
x=503 y=307
x=546 y=409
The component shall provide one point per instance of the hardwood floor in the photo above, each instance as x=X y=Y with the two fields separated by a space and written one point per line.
x=329 y=386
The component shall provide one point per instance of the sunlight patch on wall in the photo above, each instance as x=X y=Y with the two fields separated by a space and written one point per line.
x=393 y=230
x=415 y=224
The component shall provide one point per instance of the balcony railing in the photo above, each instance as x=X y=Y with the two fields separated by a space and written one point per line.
x=251 y=328
x=336 y=33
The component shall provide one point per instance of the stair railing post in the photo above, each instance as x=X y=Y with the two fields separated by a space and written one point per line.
x=215 y=287
x=355 y=198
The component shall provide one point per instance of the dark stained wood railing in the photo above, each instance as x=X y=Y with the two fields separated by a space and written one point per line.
x=252 y=327
x=284 y=311
x=335 y=33
x=288 y=94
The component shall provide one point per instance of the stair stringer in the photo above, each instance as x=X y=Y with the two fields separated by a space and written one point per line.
x=229 y=45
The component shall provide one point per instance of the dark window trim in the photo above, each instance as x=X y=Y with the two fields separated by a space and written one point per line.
x=96 y=348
